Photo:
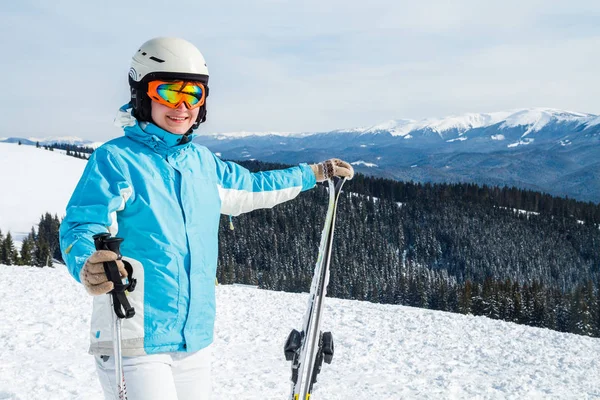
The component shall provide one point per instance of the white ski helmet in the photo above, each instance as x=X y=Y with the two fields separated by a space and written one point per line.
x=164 y=58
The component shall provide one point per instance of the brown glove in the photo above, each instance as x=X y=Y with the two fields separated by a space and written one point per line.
x=332 y=167
x=92 y=274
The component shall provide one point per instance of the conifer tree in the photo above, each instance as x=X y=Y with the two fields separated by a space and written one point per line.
x=9 y=254
x=42 y=254
x=27 y=249
x=3 y=255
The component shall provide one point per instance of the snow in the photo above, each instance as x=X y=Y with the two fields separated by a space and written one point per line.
x=366 y=164
x=461 y=123
x=458 y=139
x=533 y=118
x=241 y=134
x=34 y=181
x=497 y=137
x=381 y=351
x=467 y=121
x=521 y=142
x=94 y=145
x=520 y=211
x=565 y=142
x=593 y=122
x=536 y=118
x=396 y=127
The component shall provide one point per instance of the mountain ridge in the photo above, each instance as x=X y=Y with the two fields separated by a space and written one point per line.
x=539 y=149
x=545 y=149
x=536 y=117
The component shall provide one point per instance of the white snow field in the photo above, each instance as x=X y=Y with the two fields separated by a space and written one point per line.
x=34 y=181
x=381 y=351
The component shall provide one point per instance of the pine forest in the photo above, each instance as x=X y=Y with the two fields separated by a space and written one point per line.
x=504 y=253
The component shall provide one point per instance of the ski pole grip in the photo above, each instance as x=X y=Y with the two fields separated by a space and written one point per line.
x=99 y=240
x=103 y=241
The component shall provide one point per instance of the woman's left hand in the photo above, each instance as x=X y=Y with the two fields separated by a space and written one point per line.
x=332 y=167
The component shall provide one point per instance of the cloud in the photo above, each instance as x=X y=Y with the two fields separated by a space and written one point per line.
x=301 y=66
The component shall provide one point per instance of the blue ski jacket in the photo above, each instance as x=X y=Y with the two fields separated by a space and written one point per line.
x=164 y=198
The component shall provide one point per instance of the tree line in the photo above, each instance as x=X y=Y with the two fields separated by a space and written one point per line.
x=82 y=152
x=38 y=248
x=503 y=253
x=72 y=150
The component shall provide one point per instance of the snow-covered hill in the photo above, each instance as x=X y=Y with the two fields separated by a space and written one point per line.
x=50 y=140
x=382 y=351
x=34 y=181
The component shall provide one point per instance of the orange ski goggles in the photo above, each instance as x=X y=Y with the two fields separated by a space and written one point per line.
x=173 y=93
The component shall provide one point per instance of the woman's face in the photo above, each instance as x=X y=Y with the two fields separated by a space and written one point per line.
x=175 y=120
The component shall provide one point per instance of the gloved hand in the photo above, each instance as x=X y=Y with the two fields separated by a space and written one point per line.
x=92 y=274
x=332 y=167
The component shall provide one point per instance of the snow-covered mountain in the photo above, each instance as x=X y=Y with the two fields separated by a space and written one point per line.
x=35 y=181
x=533 y=118
x=381 y=351
x=542 y=149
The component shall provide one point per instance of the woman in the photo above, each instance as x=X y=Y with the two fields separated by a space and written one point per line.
x=164 y=195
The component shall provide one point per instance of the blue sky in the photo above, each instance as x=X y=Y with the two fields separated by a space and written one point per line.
x=297 y=66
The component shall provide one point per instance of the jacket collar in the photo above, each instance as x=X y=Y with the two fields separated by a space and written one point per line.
x=160 y=140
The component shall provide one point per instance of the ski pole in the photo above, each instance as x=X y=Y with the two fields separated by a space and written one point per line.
x=120 y=304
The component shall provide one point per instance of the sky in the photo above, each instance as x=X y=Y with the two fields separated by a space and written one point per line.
x=309 y=66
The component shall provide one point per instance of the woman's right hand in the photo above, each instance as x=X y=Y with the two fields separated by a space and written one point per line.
x=92 y=274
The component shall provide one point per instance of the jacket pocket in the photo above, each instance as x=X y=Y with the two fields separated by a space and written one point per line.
x=162 y=293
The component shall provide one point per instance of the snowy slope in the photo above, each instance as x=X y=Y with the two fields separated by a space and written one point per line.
x=34 y=181
x=382 y=351
x=72 y=140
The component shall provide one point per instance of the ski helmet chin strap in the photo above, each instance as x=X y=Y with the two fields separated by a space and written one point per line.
x=185 y=138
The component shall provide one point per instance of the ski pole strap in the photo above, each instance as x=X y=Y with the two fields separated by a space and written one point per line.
x=104 y=241
x=120 y=303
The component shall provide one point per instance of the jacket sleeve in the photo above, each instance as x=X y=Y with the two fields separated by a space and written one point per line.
x=102 y=191
x=242 y=191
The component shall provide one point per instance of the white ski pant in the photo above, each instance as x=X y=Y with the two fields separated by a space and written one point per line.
x=165 y=376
